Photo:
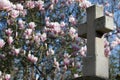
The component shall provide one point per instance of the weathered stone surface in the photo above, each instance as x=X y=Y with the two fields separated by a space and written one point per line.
x=82 y=30
x=96 y=11
x=103 y=24
x=95 y=63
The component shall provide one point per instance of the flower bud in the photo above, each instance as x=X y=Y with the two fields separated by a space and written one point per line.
x=2 y=43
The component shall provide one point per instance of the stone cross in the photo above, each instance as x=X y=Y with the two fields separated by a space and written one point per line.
x=95 y=64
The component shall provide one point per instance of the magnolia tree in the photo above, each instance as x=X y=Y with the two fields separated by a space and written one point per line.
x=39 y=39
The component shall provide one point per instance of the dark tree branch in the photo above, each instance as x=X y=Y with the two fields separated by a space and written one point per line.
x=43 y=75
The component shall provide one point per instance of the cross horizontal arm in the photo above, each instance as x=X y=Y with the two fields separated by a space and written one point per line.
x=104 y=24
x=82 y=30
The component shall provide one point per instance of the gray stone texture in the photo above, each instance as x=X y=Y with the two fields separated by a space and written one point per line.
x=95 y=63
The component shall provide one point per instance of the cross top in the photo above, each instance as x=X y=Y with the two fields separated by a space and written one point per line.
x=100 y=23
x=95 y=63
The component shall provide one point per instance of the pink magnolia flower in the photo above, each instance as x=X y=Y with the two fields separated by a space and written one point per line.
x=65 y=68
x=16 y=51
x=43 y=37
x=55 y=59
x=47 y=53
x=113 y=44
x=23 y=12
x=72 y=20
x=8 y=31
x=73 y=64
x=32 y=25
x=35 y=59
x=14 y=13
x=76 y=75
x=2 y=43
x=62 y=24
x=5 y=4
x=66 y=55
x=50 y=52
x=82 y=53
x=32 y=58
x=38 y=34
x=51 y=7
x=10 y=21
x=73 y=33
x=84 y=4
x=106 y=43
x=30 y=4
x=13 y=7
x=79 y=0
x=66 y=61
x=54 y=1
x=0 y=73
x=36 y=38
x=10 y=40
x=47 y=18
x=28 y=32
x=21 y=24
x=51 y=25
x=108 y=14
x=2 y=56
x=117 y=40
x=68 y=2
x=107 y=51
x=7 y=76
x=118 y=34
x=83 y=50
x=47 y=23
x=57 y=28
x=56 y=63
x=19 y=6
x=78 y=64
x=40 y=4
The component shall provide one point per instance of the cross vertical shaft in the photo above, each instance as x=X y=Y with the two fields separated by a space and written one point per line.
x=95 y=63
